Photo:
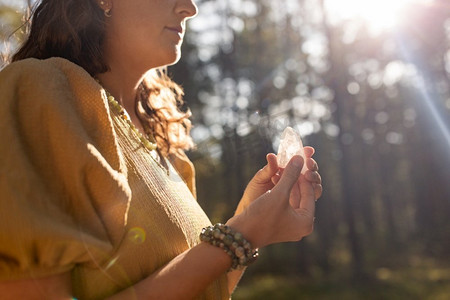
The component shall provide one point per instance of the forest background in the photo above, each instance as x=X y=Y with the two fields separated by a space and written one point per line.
x=367 y=83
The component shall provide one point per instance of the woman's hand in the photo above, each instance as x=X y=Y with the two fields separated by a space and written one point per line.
x=286 y=213
x=311 y=174
x=267 y=177
x=262 y=182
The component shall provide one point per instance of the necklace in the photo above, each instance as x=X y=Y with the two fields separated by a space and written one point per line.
x=148 y=143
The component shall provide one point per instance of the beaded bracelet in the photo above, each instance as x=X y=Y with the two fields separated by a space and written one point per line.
x=232 y=242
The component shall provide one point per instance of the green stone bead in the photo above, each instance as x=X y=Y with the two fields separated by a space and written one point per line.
x=240 y=252
x=238 y=237
x=216 y=233
x=146 y=144
x=228 y=240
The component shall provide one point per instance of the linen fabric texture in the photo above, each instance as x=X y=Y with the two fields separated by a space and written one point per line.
x=79 y=193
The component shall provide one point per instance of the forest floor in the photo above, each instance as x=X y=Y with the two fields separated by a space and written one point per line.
x=401 y=284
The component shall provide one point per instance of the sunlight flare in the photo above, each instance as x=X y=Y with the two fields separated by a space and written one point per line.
x=377 y=14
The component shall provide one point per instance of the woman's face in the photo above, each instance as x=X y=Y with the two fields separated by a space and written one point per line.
x=147 y=33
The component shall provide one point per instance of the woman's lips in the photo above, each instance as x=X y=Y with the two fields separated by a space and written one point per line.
x=177 y=29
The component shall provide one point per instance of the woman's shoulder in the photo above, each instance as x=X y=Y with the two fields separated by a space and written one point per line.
x=50 y=82
x=55 y=93
x=52 y=64
x=52 y=69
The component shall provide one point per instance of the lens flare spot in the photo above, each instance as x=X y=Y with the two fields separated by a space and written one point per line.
x=137 y=235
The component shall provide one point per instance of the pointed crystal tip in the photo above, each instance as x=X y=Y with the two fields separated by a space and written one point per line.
x=290 y=145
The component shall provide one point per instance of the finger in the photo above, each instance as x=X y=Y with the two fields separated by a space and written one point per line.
x=272 y=163
x=275 y=178
x=290 y=176
x=311 y=164
x=318 y=189
x=313 y=177
x=268 y=170
x=307 y=197
x=309 y=151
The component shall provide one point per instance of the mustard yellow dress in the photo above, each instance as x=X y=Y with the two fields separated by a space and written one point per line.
x=78 y=192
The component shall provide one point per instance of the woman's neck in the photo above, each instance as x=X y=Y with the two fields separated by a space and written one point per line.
x=123 y=85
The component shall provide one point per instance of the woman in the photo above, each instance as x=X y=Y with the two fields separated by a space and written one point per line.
x=97 y=194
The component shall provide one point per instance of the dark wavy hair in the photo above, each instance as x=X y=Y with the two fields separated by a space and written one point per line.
x=75 y=30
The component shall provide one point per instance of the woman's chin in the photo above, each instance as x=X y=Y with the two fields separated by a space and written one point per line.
x=175 y=58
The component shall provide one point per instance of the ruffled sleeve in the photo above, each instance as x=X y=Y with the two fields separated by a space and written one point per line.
x=63 y=186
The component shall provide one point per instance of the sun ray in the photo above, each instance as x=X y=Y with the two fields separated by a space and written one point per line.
x=429 y=103
x=377 y=14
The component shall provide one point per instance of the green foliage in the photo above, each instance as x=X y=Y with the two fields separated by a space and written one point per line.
x=421 y=278
x=424 y=284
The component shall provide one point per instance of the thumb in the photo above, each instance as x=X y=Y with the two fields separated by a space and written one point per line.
x=290 y=175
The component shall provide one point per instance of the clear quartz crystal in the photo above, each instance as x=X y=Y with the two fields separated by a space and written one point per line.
x=290 y=145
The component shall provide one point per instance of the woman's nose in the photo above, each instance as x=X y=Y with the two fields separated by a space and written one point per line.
x=187 y=7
